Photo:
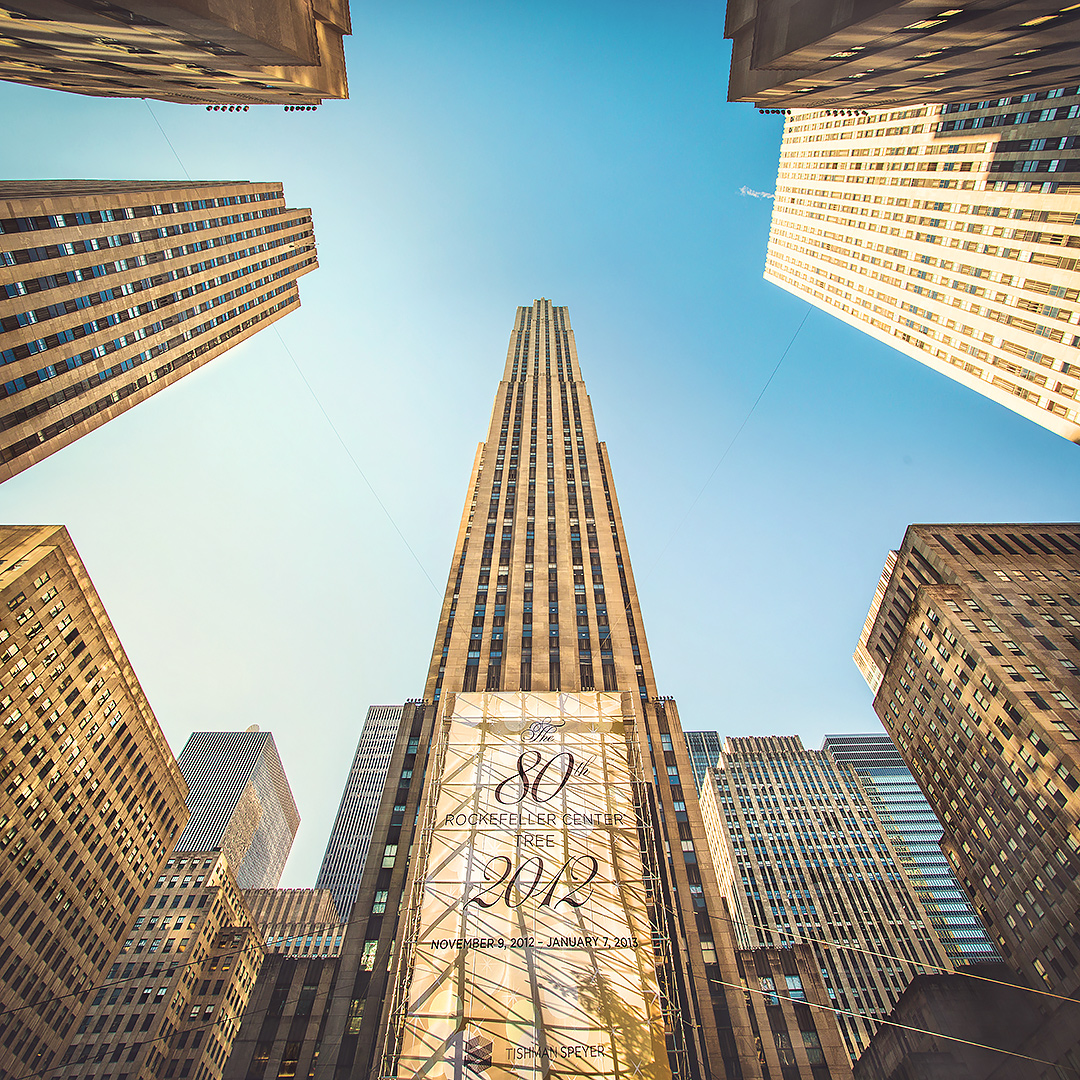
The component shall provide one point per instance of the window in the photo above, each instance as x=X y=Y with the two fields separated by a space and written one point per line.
x=379 y=906
x=367 y=958
x=389 y=855
x=356 y=1016
x=795 y=988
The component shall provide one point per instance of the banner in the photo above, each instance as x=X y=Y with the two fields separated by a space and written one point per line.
x=533 y=955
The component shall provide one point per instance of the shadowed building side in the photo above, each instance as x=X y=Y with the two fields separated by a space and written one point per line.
x=278 y=51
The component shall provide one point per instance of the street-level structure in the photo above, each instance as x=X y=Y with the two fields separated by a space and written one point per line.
x=912 y=826
x=802 y=858
x=111 y=290
x=842 y=56
x=281 y=51
x=977 y=642
x=346 y=850
x=91 y=801
x=948 y=232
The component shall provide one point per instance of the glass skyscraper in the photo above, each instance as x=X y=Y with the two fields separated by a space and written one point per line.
x=346 y=850
x=705 y=748
x=913 y=827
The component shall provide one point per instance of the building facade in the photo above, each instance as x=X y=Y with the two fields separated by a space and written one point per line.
x=283 y=51
x=91 y=801
x=112 y=290
x=915 y=832
x=540 y=639
x=284 y=1029
x=174 y=999
x=977 y=642
x=942 y=230
x=803 y=858
x=704 y=748
x=297 y=922
x=241 y=803
x=847 y=57
x=346 y=850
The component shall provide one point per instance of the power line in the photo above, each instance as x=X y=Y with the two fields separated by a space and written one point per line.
x=896 y=1024
x=356 y=464
x=802 y=937
x=708 y=480
x=311 y=390
x=738 y=432
x=167 y=139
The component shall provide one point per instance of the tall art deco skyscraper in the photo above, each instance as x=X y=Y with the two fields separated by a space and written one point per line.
x=538 y=896
x=111 y=290
x=948 y=232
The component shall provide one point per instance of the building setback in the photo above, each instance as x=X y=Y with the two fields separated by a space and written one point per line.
x=704 y=748
x=977 y=642
x=241 y=803
x=174 y=999
x=91 y=801
x=112 y=290
x=297 y=922
x=346 y=850
x=914 y=830
x=279 y=51
x=850 y=57
x=803 y=858
x=942 y=230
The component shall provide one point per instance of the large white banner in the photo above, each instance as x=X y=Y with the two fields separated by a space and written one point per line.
x=534 y=956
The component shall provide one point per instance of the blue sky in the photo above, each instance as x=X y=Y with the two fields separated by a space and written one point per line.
x=492 y=153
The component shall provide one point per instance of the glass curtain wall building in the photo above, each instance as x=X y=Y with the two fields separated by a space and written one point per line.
x=913 y=827
x=346 y=851
x=704 y=748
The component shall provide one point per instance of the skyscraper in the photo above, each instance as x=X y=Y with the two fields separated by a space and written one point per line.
x=803 y=858
x=343 y=864
x=240 y=803
x=941 y=231
x=538 y=887
x=91 y=801
x=910 y=823
x=112 y=290
x=838 y=56
x=280 y=51
x=704 y=748
x=977 y=643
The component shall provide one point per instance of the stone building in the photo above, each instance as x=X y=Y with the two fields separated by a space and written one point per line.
x=945 y=231
x=111 y=290
x=280 y=51
x=175 y=997
x=91 y=801
x=841 y=56
x=977 y=645
x=803 y=858
x=297 y=922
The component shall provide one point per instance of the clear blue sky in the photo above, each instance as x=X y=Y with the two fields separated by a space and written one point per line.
x=493 y=152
